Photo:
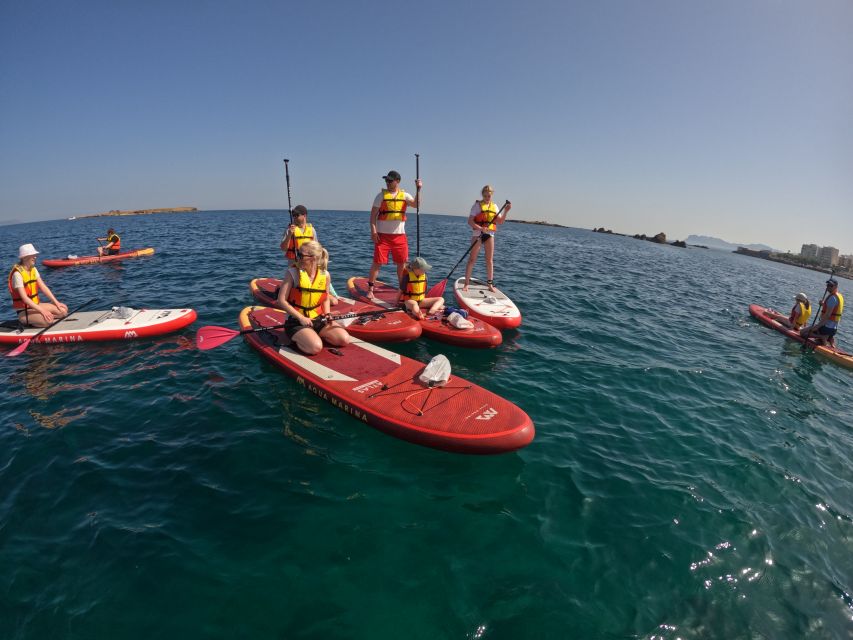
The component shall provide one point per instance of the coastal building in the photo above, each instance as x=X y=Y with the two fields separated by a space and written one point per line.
x=828 y=256
x=846 y=262
x=809 y=251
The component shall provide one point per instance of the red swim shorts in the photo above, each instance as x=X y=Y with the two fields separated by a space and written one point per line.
x=396 y=243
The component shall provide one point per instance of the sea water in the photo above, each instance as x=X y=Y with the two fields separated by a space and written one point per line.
x=691 y=475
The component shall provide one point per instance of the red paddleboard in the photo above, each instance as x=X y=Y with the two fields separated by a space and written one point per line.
x=390 y=327
x=767 y=317
x=482 y=335
x=95 y=326
x=73 y=262
x=493 y=307
x=381 y=388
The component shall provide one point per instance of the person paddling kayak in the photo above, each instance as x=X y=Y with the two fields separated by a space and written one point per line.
x=413 y=286
x=113 y=245
x=823 y=332
x=799 y=316
x=483 y=220
x=24 y=286
x=304 y=295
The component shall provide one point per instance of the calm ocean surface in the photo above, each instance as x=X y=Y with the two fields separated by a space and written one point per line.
x=691 y=476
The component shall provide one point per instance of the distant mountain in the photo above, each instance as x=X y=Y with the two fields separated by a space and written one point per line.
x=716 y=243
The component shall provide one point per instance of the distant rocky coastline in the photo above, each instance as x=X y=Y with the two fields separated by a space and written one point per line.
x=140 y=212
x=658 y=238
x=546 y=224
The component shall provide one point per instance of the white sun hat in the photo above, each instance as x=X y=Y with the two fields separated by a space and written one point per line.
x=26 y=250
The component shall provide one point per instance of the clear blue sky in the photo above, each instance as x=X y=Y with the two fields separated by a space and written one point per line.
x=730 y=119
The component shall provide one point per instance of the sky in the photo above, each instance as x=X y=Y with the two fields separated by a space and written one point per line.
x=731 y=119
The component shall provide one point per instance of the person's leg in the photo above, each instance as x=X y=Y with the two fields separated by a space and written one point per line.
x=469 y=268
x=307 y=341
x=400 y=253
x=413 y=309
x=490 y=261
x=35 y=319
x=335 y=335
x=433 y=305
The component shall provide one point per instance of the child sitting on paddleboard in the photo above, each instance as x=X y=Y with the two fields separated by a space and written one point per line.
x=413 y=289
x=113 y=244
x=24 y=286
x=304 y=295
x=800 y=313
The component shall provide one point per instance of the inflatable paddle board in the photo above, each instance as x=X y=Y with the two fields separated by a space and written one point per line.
x=93 y=326
x=767 y=317
x=493 y=307
x=382 y=389
x=73 y=262
x=389 y=327
x=482 y=335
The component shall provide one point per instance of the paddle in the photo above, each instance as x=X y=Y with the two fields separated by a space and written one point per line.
x=211 y=337
x=807 y=340
x=418 y=196
x=438 y=288
x=287 y=178
x=26 y=343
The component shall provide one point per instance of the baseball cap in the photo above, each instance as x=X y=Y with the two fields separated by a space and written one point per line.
x=392 y=175
x=832 y=282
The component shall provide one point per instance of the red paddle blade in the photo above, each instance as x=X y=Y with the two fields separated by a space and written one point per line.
x=437 y=289
x=19 y=349
x=211 y=337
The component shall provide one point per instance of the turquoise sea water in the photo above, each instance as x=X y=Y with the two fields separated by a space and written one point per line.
x=691 y=476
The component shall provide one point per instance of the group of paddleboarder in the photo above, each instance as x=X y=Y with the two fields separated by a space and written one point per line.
x=307 y=294
x=825 y=326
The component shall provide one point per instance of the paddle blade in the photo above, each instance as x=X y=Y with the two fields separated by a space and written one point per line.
x=19 y=349
x=211 y=337
x=437 y=289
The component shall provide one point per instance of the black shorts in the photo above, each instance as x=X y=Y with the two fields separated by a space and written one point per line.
x=826 y=331
x=111 y=252
x=292 y=326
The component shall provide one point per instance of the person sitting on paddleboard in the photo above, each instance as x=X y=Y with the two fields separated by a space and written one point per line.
x=24 y=286
x=304 y=295
x=483 y=220
x=413 y=287
x=799 y=316
x=388 y=226
x=113 y=244
x=824 y=331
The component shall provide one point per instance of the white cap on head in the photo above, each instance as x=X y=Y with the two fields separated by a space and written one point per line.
x=801 y=297
x=26 y=250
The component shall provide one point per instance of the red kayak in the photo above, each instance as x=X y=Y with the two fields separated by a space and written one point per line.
x=383 y=389
x=768 y=317
x=482 y=335
x=389 y=327
x=73 y=262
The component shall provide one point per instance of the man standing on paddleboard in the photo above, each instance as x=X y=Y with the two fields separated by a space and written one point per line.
x=388 y=226
x=824 y=331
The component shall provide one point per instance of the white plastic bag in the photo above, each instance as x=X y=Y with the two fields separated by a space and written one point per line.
x=71 y=256
x=490 y=300
x=122 y=313
x=459 y=322
x=437 y=372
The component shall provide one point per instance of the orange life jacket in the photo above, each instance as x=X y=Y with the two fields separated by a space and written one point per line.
x=297 y=239
x=116 y=242
x=487 y=215
x=31 y=286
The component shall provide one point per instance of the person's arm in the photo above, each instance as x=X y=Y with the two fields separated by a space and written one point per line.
x=404 y=281
x=475 y=209
x=501 y=218
x=416 y=199
x=286 y=239
x=827 y=312
x=282 y=303
x=374 y=234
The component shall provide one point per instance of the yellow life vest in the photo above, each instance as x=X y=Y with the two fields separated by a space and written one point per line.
x=487 y=215
x=839 y=309
x=307 y=295
x=803 y=318
x=31 y=286
x=393 y=207
x=298 y=238
x=415 y=286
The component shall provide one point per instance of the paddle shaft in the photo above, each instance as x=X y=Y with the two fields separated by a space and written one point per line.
x=287 y=179
x=342 y=317
x=418 y=196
